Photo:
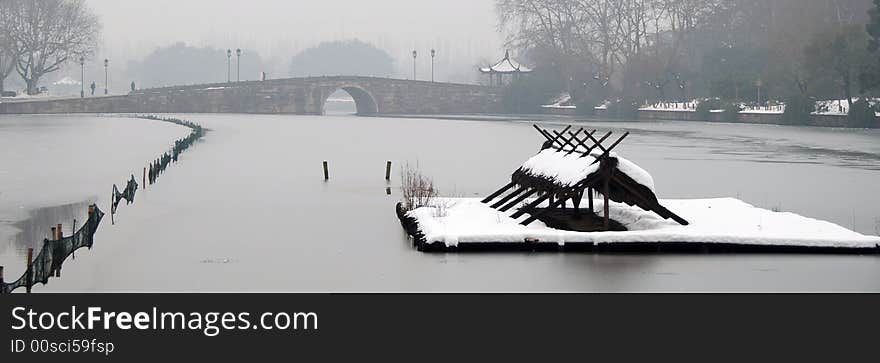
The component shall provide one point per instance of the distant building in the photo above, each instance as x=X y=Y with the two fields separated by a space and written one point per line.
x=505 y=67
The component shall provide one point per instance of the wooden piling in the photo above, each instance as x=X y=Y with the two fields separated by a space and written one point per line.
x=60 y=232
x=73 y=239
x=29 y=273
x=388 y=170
x=326 y=171
x=1 y=277
x=145 y=178
x=53 y=233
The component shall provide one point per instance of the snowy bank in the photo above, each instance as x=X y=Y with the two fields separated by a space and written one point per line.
x=726 y=221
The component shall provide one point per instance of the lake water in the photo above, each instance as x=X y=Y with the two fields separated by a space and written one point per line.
x=247 y=208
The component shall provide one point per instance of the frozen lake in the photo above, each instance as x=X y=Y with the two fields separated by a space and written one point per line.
x=247 y=208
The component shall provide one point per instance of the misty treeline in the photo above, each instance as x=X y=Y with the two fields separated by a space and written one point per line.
x=180 y=63
x=742 y=51
x=38 y=37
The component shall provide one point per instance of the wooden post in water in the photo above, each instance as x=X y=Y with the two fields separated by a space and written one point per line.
x=73 y=240
x=112 y=210
x=59 y=236
x=145 y=178
x=388 y=170
x=326 y=171
x=29 y=273
x=1 y=279
x=53 y=233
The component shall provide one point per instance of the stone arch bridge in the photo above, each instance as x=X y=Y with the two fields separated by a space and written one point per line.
x=305 y=96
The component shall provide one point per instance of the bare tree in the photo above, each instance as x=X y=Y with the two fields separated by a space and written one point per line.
x=44 y=34
x=7 y=56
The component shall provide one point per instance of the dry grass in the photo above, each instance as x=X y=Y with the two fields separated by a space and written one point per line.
x=418 y=190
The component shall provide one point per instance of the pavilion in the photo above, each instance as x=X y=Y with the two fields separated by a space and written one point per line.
x=505 y=67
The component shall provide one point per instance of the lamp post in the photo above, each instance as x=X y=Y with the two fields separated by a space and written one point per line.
x=415 y=54
x=82 y=77
x=228 y=68
x=433 y=53
x=238 y=65
x=758 y=84
x=106 y=76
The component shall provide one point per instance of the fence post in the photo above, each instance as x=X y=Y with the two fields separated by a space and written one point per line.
x=73 y=240
x=326 y=171
x=388 y=170
x=59 y=236
x=29 y=273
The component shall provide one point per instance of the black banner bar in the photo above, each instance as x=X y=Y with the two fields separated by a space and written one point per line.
x=455 y=327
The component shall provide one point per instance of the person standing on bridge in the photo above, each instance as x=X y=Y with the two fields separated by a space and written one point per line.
x=93 y=88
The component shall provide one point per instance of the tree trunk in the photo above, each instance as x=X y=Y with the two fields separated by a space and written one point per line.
x=847 y=90
x=31 y=86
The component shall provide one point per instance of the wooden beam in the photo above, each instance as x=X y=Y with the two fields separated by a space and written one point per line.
x=599 y=143
x=606 y=191
x=499 y=192
x=518 y=200
x=531 y=205
x=567 y=140
x=509 y=197
x=556 y=139
x=580 y=142
x=651 y=203
x=614 y=145
x=590 y=193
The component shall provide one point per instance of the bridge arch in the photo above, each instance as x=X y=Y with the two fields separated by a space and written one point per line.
x=364 y=101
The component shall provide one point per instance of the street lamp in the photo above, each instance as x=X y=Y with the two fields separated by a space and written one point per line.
x=415 y=54
x=433 y=53
x=106 y=76
x=82 y=77
x=238 y=64
x=228 y=68
x=758 y=84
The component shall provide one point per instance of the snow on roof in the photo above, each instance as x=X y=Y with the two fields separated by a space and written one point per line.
x=570 y=169
x=66 y=81
x=506 y=65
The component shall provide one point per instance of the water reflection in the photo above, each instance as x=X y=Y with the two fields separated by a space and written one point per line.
x=36 y=227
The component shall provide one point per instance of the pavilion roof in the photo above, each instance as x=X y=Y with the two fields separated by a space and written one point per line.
x=506 y=65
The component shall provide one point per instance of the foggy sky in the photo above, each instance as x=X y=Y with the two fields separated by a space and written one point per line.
x=461 y=30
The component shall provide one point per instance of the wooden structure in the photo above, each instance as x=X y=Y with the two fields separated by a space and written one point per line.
x=572 y=164
x=504 y=67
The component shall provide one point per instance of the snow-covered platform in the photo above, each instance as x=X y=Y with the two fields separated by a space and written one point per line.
x=716 y=225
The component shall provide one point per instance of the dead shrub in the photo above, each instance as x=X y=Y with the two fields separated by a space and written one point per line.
x=417 y=189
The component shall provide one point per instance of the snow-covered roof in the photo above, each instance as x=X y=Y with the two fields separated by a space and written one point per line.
x=567 y=170
x=568 y=165
x=506 y=65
